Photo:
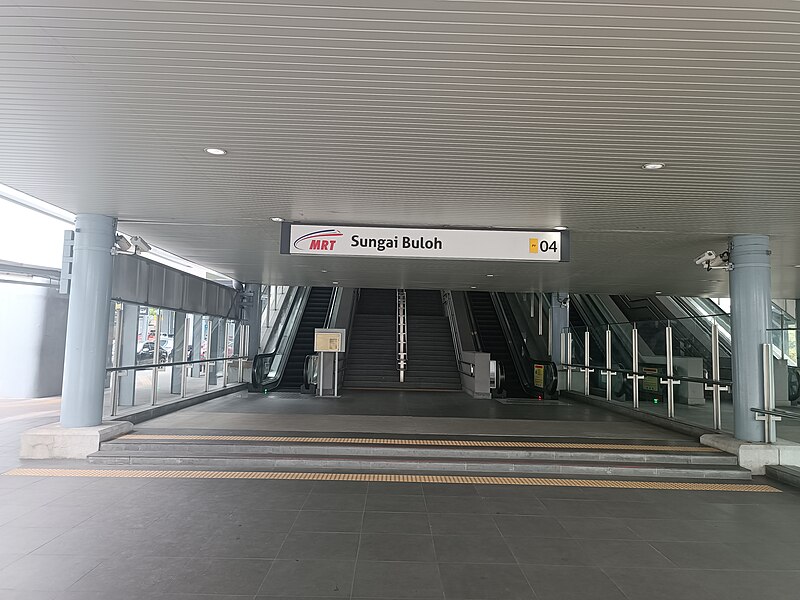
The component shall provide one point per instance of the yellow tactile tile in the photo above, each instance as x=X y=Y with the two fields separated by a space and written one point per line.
x=415 y=442
x=393 y=478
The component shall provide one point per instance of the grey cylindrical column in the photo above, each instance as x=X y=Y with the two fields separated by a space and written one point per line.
x=751 y=303
x=253 y=318
x=87 y=322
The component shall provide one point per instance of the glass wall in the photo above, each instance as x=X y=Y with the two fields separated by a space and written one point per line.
x=157 y=356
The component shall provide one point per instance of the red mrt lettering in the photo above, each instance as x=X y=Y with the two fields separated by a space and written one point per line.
x=322 y=244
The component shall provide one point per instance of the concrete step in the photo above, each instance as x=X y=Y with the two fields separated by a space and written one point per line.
x=410 y=464
x=398 y=450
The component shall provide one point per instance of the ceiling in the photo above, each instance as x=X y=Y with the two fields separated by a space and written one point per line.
x=465 y=113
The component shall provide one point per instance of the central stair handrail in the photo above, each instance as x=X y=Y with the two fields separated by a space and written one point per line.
x=402 y=334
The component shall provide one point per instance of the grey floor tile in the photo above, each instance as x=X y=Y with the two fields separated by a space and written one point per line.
x=716 y=555
x=45 y=573
x=315 y=545
x=625 y=553
x=7 y=559
x=566 y=507
x=340 y=487
x=391 y=522
x=600 y=528
x=396 y=580
x=485 y=582
x=449 y=489
x=319 y=501
x=472 y=549
x=328 y=521
x=22 y=540
x=220 y=576
x=303 y=578
x=697 y=531
x=396 y=547
x=145 y=574
x=405 y=489
x=532 y=526
x=571 y=583
x=641 y=510
x=10 y=512
x=30 y=595
x=396 y=503
x=239 y=543
x=274 y=521
x=90 y=541
x=449 y=524
x=456 y=504
x=549 y=551
x=514 y=506
x=663 y=584
x=283 y=501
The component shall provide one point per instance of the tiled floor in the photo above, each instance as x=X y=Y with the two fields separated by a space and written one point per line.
x=85 y=538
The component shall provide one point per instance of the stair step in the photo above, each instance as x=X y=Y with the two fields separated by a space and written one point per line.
x=413 y=464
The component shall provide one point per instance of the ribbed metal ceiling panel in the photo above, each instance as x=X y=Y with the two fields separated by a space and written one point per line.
x=428 y=112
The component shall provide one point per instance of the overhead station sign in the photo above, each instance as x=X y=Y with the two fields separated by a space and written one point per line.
x=403 y=242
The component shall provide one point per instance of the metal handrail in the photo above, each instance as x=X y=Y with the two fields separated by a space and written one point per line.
x=722 y=382
x=447 y=301
x=402 y=334
x=174 y=364
x=776 y=413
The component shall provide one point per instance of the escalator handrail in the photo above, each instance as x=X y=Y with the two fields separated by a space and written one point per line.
x=263 y=363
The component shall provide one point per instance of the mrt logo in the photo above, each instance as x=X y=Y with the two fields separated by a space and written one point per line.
x=322 y=240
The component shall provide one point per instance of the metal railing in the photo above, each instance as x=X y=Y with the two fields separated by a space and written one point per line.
x=402 y=335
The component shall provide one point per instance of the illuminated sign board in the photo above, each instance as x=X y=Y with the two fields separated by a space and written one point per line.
x=404 y=242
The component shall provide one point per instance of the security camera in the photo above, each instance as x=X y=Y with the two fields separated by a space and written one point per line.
x=140 y=245
x=121 y=243
x=705 y=258
x=710 y=260
x=564 y=302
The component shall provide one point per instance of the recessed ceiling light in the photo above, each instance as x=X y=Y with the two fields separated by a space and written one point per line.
x=658 y=292
x=276 y=219
x=653 y=166
x=472 y=287
x=335 y=282
x=489 y=275
x=797 y=266
x=324 y=271
x=216 y=151
x=560 y=228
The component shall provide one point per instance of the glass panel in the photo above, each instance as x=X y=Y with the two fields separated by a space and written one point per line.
x=622 y=362
x=653 y=364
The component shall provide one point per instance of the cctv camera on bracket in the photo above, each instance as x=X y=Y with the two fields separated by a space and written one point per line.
x=135 y=245
x=711 y=260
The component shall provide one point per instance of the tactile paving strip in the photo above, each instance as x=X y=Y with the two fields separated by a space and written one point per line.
x=392 y=478
x=415 y=442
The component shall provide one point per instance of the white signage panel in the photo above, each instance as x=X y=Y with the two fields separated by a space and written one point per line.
x=402 y=242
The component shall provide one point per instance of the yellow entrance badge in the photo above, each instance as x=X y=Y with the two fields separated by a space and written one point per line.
x=534 y=245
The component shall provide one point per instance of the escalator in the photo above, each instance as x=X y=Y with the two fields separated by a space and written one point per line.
x=314 y=315
x=492 y=339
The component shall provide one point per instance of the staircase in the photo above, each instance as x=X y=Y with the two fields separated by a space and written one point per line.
x=493 y=341
x=314 y=315
x=372 y=351
x=479 y=455
x=431 y=356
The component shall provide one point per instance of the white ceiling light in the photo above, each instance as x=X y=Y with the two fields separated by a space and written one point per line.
x=216 y=151
x=560 y=228
x=276 y=219
x=335 y=282
x=653 y=166
x=489 y=275
x=472 y=287
x=659 y=292
x=324 y=271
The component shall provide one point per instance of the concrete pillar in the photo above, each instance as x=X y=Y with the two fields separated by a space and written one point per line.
x=129 y=344
x=87 y=322
x=197 y=344
x=751 y=304
x=178 y=353
x=252 y=317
